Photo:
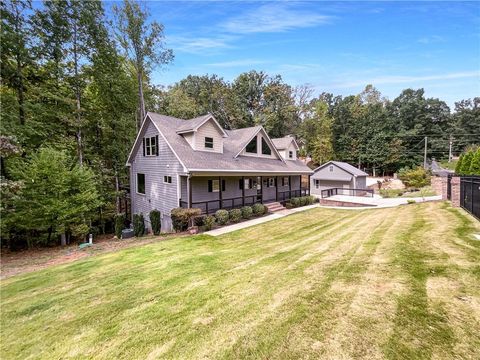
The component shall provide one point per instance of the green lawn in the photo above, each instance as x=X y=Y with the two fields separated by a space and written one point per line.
x=399 y=283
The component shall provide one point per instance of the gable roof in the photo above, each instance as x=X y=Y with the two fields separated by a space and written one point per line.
x=195 y=123
x=344 y=166
x=203 y=161
x=284 y=143
x=253 y=131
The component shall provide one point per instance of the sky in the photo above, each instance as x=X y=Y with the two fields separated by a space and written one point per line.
x=337 y=47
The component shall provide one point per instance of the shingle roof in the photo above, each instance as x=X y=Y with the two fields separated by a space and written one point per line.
x=282 y=143
x=226 y=161
x=192 y=123
x=345 y=166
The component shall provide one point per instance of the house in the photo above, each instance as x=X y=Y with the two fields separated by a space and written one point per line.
x=337 y=174
x=197 y=164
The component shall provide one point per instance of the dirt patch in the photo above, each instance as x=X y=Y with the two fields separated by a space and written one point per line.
x=19 y=262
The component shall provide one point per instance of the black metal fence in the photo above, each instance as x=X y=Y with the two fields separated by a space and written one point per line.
x=349 y=192
x=470 y=194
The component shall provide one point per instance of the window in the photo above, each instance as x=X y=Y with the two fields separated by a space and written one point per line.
x=317 y=183
x=247 y=183
x=265 y=148
x=252 y=146
x=290 y=154
x=331 y=168
x=209 y=143
x=167 y=179
x=150 y=146
x=285 y=181
x=214 y=185
x=141 y=183
x=271 y=182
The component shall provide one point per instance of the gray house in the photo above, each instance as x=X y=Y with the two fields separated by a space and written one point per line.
x=337 y=174
x=196 y=163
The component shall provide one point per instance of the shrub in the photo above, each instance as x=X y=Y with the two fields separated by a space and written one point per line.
x=247 y=212
x=289 y=205
x=414 y=178
x=475 y=165
x=235 y=215
x=258 y=209
x=466 y=162
x=458 y=167
x=391 y=193
x=199 y=220
x=155 y=222
x=311 y=199
x=296 y=202
x=183 y=218
x=138 y=225
x=221 y=216
x=209 y=222
x=411 y=201
x=119 y=224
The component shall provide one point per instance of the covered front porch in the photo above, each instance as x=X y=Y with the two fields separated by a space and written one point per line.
x=210 y=193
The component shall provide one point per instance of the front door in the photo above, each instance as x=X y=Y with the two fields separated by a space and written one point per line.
x=259 y=189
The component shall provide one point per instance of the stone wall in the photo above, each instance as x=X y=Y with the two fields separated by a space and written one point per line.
x=455 y=195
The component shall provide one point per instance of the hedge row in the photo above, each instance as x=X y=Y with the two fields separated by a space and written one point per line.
x=301 y=201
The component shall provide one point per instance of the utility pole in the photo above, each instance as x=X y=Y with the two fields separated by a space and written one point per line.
x=425 y=154
x=450 y=149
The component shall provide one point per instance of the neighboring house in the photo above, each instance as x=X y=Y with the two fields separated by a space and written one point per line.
x=196 y=163
x=336 y=174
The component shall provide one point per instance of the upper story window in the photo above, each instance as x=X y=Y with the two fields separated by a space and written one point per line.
x=331 y=168
x=208 y=143
x=141 y=183
x=252 y=146
x=290 y=154
x=167 y=179
x=265 y=148
x=150 y=146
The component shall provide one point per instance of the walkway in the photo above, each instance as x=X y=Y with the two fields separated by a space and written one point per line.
x=380 y=202
x=263 y=219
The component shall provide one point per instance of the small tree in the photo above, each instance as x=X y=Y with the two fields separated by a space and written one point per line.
x=475 y=165
x=458 y=167
x=155 y=221
x=415 y=178
x=119 y=224
x=466 y=162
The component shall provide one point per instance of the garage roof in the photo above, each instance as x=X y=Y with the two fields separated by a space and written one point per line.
x=344 y=166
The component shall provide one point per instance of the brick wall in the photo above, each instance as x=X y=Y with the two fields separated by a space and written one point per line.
x=439 y=185
x=455 y=196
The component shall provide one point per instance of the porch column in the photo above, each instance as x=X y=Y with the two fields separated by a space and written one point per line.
x=308 y=186
x=290 y=186
x=220 y=192
x=189 y=189
x=276 y=188
x=243 y=190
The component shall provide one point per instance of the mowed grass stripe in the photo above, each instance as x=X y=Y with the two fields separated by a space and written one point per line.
x=290 y=288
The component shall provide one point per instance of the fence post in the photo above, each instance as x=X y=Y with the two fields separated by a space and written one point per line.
x=455 y=191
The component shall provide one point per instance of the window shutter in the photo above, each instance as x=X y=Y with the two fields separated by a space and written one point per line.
x=143 y=146
x=223 y=185
x=250 y=183
x=210 y=186
x=240 y=184
x=156 y=145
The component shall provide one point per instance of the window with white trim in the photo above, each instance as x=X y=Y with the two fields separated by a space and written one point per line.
x=317 y=183
x=285 y=181
x=141 y=183
x=167 y=179
x=208 y=143
x=151 y=146
x=271 y=182
x=214 y=185
x=331 y=168
x=290 y=154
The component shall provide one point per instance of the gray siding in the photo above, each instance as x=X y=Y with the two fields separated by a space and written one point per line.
x=361 y=182
x=158 y=195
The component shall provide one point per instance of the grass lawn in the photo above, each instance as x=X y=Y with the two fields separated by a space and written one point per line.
x=397 y=283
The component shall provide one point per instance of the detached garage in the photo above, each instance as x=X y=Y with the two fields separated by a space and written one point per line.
x=337 y=174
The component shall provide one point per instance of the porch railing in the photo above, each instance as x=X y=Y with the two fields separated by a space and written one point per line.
x=348 y=192
x=210 y=206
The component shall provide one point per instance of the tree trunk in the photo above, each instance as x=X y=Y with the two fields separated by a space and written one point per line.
x=19 y=76
x=117 y=191
x=141 y=100
x=77 y=96
x=63 y=239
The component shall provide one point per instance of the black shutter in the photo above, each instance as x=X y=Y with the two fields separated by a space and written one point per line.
x=240 y=184
x=210 y=187
x=250 y=183
x=156 y=145
x=143 y=146
x=223 y=185
x=283 y=181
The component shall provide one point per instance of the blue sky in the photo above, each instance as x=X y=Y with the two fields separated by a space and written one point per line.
x=337 y=47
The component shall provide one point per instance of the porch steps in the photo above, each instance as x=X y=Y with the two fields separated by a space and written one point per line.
x=274 y=207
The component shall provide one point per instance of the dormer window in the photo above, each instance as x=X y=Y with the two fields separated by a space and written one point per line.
x=290 y=154
x=265 y=148
x=331 y=168
x=208 y=143
x=252 y=146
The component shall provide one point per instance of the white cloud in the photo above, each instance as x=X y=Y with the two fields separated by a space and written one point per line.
x=431 y=39
x=273 y=18
x=237 y=63
x=199 y=44
x=382 y=80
